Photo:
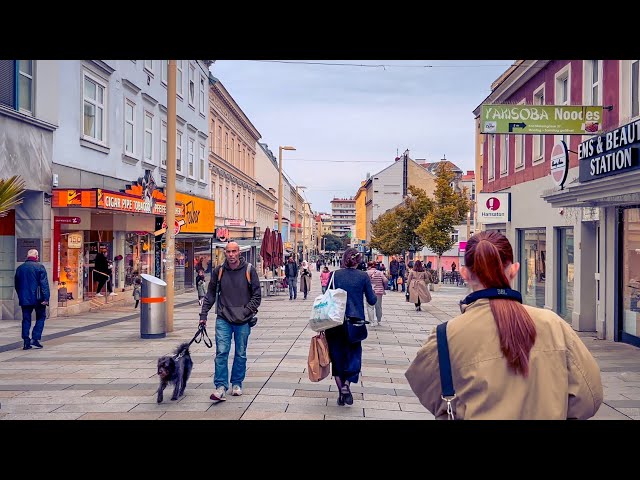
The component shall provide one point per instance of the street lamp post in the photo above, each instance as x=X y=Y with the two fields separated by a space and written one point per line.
x=280 y=149
x=298 y=187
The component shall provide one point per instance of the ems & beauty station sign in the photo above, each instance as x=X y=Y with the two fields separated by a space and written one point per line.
x=611 y=153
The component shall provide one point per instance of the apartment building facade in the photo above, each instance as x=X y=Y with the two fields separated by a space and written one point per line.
x=28 y=119
x=109 y=173
x=343 y=216
x=232 y=157
x=577 y=243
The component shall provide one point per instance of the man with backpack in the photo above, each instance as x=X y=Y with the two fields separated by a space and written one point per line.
x=236 y=286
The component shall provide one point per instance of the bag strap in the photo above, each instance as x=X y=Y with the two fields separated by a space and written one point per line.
x=331 y=285
x=446 y=380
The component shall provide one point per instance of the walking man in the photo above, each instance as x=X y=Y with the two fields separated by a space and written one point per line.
x=32 y=286
x=291 y=272
x=236 y=286
x=393 y=270
x=103 y=272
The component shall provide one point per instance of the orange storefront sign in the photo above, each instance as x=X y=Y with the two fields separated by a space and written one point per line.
x=108 y=200
x=199 y=214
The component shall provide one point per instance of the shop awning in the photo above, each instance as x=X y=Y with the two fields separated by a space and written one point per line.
x=243 y=248
x=616 y=190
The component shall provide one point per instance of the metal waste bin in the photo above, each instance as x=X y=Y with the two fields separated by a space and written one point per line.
x=153 y=307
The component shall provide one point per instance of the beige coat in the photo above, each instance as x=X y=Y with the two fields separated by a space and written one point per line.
x=563 y=382
x=305 y=279
x=418 y=283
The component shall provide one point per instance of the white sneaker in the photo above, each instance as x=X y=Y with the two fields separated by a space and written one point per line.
x=113 y=294
x=219 y=394
x=99 y=295
x=236 y=391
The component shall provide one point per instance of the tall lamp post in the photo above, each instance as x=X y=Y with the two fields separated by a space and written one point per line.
x=298 y=187
x=280 y=149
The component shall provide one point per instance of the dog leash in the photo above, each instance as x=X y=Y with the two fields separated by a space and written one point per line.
x=204 y=336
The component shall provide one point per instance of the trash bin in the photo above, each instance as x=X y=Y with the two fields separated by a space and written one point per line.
x=153 y=307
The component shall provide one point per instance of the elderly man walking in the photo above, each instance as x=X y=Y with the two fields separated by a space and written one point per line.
x=32 y=286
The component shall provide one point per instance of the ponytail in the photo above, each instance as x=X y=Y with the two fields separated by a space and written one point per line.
x=487 y=255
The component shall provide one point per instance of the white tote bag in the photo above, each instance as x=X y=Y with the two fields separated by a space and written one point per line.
x=328 y=308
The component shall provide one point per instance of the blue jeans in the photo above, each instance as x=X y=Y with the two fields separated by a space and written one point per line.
x=240 y=333
x=41 y=313
x=293 y=287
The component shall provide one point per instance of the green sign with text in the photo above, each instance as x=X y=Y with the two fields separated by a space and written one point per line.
x=541 y=119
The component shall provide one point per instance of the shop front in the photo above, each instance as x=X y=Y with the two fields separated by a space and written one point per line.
x=607 y=196
x=87 y=220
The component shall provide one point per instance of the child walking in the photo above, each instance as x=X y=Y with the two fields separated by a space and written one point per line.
x=137 y=290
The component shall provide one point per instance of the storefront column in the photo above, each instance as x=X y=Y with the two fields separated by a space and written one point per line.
x=33 y=221
x=608 y=275
x=119 y=266
x=550 y=269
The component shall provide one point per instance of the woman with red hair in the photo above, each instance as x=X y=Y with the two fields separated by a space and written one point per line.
x=508 y=361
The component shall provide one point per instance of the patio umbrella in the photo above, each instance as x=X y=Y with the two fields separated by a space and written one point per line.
x=265 y=248
x=280 y=254
x=274 y=248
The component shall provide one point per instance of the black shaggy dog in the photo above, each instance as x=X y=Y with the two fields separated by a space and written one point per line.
x=175 y=369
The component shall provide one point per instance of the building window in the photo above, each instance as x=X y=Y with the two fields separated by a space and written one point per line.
x=179 y=152
x=220 y=141
x=165 y=69
x=148 y=137
x=148 y=65
x=25 y=86
x=635 y=101
x=492 y=150
x=226 y=202
x=538 y=140
x=163 y=145
x=565 y=273
x=562 y=96
x=191 y=154
x=94 y=108
x=519 y=151
x=454 y=236
x=630 y=272
x=202 y=95
x=179 y=86
x=129 y=126
x=220 y=201
x=202 y=164
x=226 y=146
x=192 y=85
x=233 y=149
x=504 y=155
x=592 y=77
x=532 y=249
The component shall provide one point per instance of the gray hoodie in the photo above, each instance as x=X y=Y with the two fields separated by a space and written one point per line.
x=239 y=300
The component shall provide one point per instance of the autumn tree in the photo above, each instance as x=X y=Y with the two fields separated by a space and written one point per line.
x=331 y=242
x=394 y=231
x=10 y=191
x=450 y=209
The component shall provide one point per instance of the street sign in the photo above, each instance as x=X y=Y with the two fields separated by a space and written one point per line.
x=541 y=119
x=559 y=163
x=67 y=220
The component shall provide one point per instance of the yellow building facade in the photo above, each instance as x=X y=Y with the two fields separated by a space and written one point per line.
x=361 y=212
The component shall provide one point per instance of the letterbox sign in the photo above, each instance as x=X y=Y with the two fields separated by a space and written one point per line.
x=611 y=153
x=494 y=207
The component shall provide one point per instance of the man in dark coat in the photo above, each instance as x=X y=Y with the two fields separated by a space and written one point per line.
x=291 y=272
x=103 y=272
x=402 y=270
x=393 y=270
x=32 y=287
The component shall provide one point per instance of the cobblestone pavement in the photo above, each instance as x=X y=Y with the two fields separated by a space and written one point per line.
x=96 y=366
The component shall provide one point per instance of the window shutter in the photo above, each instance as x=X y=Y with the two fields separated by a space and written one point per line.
x=7 y=82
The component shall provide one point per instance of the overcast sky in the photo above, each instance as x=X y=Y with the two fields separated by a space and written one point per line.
x=359 y=117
